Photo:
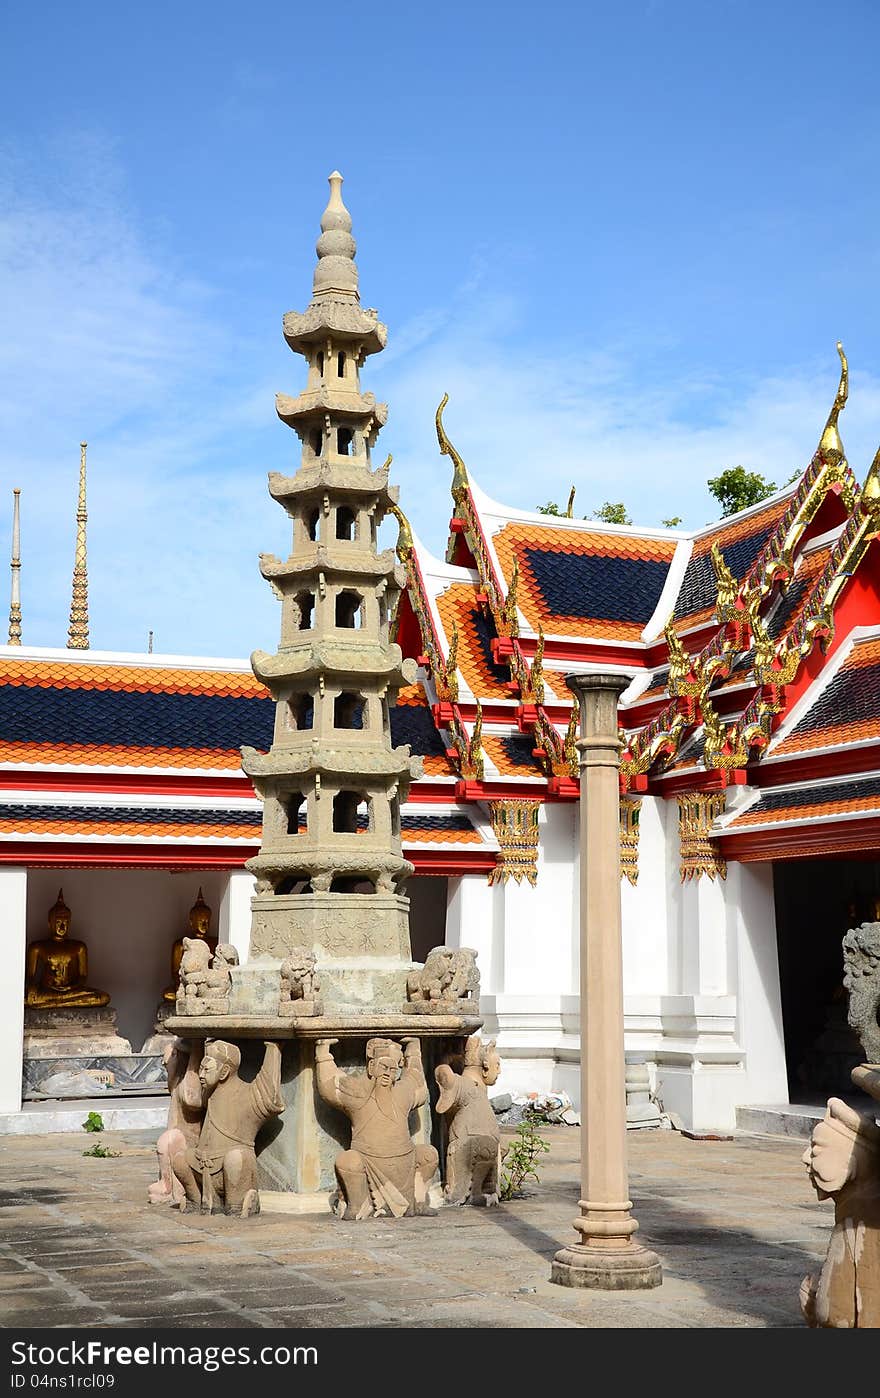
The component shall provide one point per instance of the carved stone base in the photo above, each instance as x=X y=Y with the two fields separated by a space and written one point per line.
x=297 y=1009
x=630 y=1268
x=332 y=924
x=441 y=1007
x=78 y=1032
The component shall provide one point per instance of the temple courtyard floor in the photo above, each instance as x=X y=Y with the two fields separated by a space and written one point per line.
x=735 y=1223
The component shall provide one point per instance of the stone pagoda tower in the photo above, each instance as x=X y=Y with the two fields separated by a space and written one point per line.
x=330 y=869
x=330 y=872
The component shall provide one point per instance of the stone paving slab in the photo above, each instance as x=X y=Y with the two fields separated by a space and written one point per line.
x=735 y=1223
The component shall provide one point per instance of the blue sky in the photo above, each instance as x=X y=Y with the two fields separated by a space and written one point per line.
x=623 y=238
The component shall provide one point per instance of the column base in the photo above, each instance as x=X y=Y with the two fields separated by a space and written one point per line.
x=632 y=1268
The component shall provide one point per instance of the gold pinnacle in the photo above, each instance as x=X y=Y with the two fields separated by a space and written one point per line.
x=78 y=630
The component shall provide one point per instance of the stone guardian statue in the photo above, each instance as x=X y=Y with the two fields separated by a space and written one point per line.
x=473 y=1152
x=384 y=1171
x=219 y=1173
x=843 y=1163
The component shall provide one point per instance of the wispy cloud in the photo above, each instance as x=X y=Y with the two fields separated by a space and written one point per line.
x=621 y=424
x=103 y=336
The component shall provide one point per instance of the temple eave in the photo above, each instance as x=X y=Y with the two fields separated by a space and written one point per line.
x=358 y=563
x=341 y=318
x=373 y=765
x=337 y=476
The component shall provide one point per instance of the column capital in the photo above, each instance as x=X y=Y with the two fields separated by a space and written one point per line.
x=600 y=680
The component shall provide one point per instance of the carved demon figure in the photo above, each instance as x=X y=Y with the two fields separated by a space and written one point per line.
x=861 y=979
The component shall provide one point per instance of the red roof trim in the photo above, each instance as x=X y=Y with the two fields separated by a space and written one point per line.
x=850 y=839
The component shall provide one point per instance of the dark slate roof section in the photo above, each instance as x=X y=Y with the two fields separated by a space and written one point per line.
x=410 y=723
x=782 y=614
x=598 y=586
x=777 y=798
x=698 y=589
x=519 y=748
x=436 y=822
x=113 y=718
x=128 y=815
x=851 y=697
x=486 y=634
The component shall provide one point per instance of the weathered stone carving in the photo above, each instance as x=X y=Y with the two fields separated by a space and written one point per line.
x=448 y=983
x=861 y=978
x=183 y=1058
x=205 y=982
x=384 y=1171
x=299 y=984
x=473 y=1152
x=843 y=1163
x=219 y=1173
x=58 y=967
x=199 y=927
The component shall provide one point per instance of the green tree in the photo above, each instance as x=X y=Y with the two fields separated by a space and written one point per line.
x=672 y=523
x=551 y=508
x=736 y=489
x=613 y=513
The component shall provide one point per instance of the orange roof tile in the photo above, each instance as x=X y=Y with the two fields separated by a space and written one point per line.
x=457 y=606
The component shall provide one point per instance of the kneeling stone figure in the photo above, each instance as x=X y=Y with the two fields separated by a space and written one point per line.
x=219 y=1173
x=384 y=1171
x=474 y=1151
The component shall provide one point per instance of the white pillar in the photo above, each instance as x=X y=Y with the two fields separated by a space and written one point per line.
x=475 y=918
x=234 y=923
x=643 y=908
x=13 y=923
x=705 y=966
x=759 y=1002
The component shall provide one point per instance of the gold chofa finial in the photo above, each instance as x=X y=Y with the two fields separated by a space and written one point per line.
x=15 y=597
x=830 y=443
x=459 y=473
x=78 y=630
x=869 y=500
x=726 y=586
x=404 y=546
x=569 y=509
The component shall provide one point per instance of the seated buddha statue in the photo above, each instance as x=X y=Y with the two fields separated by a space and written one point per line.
x=58 y=967
x=199 y=922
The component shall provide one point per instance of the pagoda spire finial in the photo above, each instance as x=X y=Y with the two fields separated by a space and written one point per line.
x=15 y=597
x=78 y=630
x=830 y=444
x=336 y=276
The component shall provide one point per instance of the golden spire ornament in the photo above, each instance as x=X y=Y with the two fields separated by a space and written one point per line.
x=78 y=630
x=15 y=596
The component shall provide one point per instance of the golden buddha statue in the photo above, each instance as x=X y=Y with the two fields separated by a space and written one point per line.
x=57 y=967
x=199 y=922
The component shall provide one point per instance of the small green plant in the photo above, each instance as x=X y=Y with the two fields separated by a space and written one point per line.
x=93 y=1122
x=521 y=1158
x=102 y=1152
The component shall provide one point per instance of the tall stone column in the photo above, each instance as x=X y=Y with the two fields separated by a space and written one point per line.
x=606 y=1258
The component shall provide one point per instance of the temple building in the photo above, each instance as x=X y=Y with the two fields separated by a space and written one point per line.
x=749 y=793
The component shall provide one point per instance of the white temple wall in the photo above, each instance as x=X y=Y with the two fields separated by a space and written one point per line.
x=234 y=920
x=643 y=907
x=129 y=920
x=752 y=910
x=13 y=920
x=526 y=939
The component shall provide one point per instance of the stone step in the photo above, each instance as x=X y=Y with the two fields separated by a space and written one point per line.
x=118 y=1113
x=783 y=1119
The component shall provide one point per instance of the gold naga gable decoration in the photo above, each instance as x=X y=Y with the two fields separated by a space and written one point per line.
x=473 y=759
x=697 y=812
x=630 y=810
x=515 y=823
x=503 y=608
x=726 y=587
